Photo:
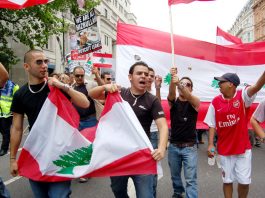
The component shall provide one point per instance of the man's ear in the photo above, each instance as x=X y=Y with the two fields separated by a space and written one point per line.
x=26 y=66
x=130 y=77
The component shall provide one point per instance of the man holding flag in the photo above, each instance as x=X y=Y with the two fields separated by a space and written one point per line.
x=147 y=108
x=29 y=100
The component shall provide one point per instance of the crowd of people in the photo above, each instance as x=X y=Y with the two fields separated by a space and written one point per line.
x=226 y=118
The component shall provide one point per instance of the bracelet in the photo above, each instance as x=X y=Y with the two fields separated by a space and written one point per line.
x=158 y=87
x=12 y=158
x=66 y=87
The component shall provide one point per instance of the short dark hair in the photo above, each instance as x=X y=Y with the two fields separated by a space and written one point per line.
x=104 y=73
x=131 y=70
x=187 y=78
x=79 y=67
x=27 y=56
x=151 y=69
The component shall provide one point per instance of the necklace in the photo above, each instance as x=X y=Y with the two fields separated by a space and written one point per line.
x=136 y=98
x=39 y=89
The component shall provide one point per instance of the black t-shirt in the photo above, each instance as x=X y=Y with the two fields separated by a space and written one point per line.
x=85 y=113
x=25 y=102
x=183 y=122
x=146 y=107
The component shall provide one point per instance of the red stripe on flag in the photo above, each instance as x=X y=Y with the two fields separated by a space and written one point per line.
x=102 y=65
x=28 y=3
x=227 y=36
x=102 y=55
x=65 y=108
x=231 y=55
x=29 y=167
x=139 y=162
x=171 y=2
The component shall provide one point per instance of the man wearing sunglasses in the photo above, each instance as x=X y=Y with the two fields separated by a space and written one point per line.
x=106 y=77
x=182 y=148
x=227 y=115
x=29 y=100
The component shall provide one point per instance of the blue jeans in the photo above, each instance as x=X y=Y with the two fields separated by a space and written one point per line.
x=188 y=157
x=51 y=189
x=87 y=123
x=154 y=142
x=3 y=190
x=143 y=186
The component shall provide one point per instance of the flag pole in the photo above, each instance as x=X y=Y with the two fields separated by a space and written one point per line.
x=172 y=39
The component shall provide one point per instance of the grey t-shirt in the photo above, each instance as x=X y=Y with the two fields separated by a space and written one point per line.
x=259 y=113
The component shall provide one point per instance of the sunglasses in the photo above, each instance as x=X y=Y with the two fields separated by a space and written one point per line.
x=108 y=78
x=187 y=84
x=79 y=75
x=40 y=62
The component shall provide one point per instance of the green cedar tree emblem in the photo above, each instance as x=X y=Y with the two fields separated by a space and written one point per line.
x=78 y=157
x=102 y=60
x=167 y=79
x=215 y=84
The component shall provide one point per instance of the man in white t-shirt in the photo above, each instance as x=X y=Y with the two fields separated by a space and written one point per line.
x=227 y=115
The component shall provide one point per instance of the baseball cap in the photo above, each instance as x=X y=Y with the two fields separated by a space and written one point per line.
x=230 y=77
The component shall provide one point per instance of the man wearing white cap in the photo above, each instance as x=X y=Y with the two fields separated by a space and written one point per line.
x=227 y=115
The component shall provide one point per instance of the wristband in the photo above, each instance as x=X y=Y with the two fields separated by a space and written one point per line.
x=12 y=158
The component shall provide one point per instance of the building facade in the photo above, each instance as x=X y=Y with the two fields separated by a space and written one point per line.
x=243 y=27
x=259 y=19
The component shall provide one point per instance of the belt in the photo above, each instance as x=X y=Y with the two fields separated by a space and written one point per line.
x=183 y=145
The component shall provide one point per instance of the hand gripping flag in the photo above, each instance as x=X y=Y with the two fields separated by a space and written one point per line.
x=199 y=60
x=171 y=2
x=56 y=151
x=20 y=4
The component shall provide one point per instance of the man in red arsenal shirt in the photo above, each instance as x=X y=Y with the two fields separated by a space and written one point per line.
x=227 y=114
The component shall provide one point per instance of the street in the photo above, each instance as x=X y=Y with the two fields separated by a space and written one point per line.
x=209 y=180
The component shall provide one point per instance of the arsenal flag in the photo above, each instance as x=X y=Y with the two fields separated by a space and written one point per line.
x=20 y=4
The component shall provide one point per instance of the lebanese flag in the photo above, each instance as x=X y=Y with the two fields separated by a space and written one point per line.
x=20 y=4
x=224 y=38
x=102 y=60
x=56 y=151
x=171 y=2
x=199 y=60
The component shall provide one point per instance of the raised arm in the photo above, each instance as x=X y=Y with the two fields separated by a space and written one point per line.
x=158 y=82
x=3 y=75
x=97 y=75
x=253 y=89
x=77 y=97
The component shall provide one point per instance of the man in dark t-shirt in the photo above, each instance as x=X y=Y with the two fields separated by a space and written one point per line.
x=182 y=148
x=147 y=108
x=29 y=100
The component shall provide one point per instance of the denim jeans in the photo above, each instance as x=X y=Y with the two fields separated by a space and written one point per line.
x=154 y=142
x=188 y=157
x=51 y=189
x=3 y=190
x=87 y=123
x=143 y=186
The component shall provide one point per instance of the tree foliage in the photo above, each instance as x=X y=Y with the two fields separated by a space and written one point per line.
x=33 y=26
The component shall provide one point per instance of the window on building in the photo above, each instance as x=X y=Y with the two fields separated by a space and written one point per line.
x=121 y=8
x=126 y=3
x=116 y=3
x=106 y=13
x=106 y=40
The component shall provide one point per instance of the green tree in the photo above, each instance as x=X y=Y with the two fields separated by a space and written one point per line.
x=77 y=157
x=33 y=26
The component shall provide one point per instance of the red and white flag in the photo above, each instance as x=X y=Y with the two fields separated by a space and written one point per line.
x=20 y=4
x=199 y=60
x=224 y=38
x=102 y=60
x=56 y=151
x=171 y=2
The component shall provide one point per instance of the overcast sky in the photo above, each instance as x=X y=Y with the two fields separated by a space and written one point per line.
x=196 y=20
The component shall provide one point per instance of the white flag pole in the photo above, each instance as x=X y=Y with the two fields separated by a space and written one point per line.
x=172 y=39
